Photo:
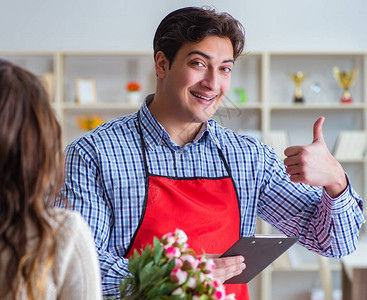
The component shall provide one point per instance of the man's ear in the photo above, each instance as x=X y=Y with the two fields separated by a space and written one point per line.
x=161 y=64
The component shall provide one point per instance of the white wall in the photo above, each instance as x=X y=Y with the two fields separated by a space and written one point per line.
x=121 y=25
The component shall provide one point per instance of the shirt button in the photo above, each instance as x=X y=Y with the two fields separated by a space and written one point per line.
x=180 y=151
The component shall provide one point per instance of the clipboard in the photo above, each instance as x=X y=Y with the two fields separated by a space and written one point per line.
x=259 y=251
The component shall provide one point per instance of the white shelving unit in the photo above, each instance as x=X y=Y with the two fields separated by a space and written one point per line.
x=269 y=106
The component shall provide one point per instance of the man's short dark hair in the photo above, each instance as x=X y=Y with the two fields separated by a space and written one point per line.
x=193 y=24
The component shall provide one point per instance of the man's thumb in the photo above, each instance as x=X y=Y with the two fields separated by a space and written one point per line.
x=317 y=130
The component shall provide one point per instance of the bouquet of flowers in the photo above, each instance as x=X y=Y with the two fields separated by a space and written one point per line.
x=170 y=270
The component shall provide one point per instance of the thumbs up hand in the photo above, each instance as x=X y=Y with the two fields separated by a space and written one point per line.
x=314 y=165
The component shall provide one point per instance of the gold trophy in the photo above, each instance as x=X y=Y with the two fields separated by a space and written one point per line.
x=345 y=80
x=298 y=79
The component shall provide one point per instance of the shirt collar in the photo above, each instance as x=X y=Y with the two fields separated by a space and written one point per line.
x=152 y=130
x=155 y=135
x=216 y=133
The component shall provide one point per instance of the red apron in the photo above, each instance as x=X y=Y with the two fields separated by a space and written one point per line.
x=207 y=209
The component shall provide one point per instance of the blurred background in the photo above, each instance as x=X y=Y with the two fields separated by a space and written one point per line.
x=102 y=47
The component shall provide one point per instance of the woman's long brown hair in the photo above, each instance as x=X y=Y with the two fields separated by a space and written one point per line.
x=31 y=174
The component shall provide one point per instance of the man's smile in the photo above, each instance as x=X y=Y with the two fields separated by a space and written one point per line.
x=207 y=98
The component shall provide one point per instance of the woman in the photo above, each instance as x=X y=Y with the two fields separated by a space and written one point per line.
x=45 y=253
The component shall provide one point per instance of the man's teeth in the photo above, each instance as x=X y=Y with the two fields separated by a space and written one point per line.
x=202 y=97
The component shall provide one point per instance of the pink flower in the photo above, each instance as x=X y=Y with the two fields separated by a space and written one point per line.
x=207 y=266
x=172 y=252
x=216 y=283
x=178 y=276
x=168 y=239
x=196 y=297
x=178 y=263
x=219 y=295
x=191 y=283
x=189 y=262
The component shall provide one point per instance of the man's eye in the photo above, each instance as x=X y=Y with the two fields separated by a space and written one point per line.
x=227 y=69
x=198 y=63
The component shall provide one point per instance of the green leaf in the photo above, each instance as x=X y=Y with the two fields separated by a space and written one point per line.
x=164 y=289
x=166 y=269
x=146 y=256
x=176 y=297
x=135 y=256
x=158 y=249
x=134 y=262
x=150 y=275
x=145 y=275
x=160 y=298
x=128 y=287
x=169 y=267
x=204 y=297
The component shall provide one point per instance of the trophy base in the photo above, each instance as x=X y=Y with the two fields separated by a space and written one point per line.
x=346 y=100
x=298 y=100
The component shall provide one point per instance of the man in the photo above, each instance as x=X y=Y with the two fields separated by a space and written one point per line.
x=170 y=166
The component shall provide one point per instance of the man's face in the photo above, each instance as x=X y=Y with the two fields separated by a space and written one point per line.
x=200 y=75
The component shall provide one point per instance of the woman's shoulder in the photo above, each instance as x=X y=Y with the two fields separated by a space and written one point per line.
x=65 y=217
x=69 y=225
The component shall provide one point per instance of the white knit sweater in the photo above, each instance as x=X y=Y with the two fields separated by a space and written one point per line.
x=75 y=273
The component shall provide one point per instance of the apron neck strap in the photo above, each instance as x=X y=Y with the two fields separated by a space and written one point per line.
x=224 y=161
x=142 y=145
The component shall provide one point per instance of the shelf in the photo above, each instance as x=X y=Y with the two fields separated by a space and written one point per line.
x=305 y=268
x=249 y=105
x=353 y=161
x=321 y=106
x=99 y=106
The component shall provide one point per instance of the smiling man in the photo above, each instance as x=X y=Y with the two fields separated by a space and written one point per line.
x=170 y=165
x=190 y=90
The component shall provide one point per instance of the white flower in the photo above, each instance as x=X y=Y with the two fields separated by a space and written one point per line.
x=189 y=262
x=178 y=263
x=181 y=236
x=179 y=291
x=178 y=276
x=207 y=266
x=191 y=283
x=168 y=239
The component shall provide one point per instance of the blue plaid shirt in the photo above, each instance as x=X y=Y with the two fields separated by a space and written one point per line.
x=105 y=182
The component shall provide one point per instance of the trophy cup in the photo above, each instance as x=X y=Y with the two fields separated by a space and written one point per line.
x=298 y=79
x=345 y=80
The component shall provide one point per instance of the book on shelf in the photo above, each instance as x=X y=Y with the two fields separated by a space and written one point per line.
x=259 y=252
x=350 y=145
